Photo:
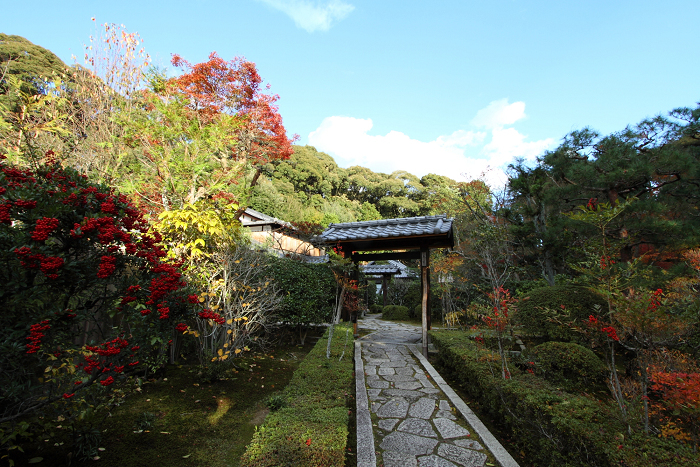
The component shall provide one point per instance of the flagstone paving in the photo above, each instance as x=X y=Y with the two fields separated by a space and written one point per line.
x=407 y=416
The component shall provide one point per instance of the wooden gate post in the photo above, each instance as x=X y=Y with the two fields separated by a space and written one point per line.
x=384 y=291
x=425 y=278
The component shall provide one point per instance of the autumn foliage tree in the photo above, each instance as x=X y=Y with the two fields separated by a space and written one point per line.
x=234 y=88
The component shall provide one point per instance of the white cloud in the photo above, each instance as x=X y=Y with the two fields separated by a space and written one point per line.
x=312 y=15
x=461 y=155
x=347 y=139
x=508 y=143
x=499 y=113
x=461 y=138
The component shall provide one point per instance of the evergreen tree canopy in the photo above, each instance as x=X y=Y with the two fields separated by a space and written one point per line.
x=28 y=61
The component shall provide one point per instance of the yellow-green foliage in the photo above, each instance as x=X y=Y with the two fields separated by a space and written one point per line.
x=312 y=429
x=193 y=231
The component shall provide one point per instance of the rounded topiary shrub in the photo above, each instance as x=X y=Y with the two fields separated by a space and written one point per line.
x=395 y=312
x=376 y=308
x=569 y=365
x=553 y=311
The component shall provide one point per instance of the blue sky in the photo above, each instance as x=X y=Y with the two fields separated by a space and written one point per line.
x=449 y=87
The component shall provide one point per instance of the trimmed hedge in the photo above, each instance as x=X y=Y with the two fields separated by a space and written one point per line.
x=395 y=312
x=376 y=308
x=569 y=365
x=539 y=306
x=308 y=291
x=311 y=429
x=551 y=427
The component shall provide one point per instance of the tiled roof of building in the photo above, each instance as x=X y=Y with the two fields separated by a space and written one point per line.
x=388 y=228
x=405 y=273
x=398 y=269
x=315 y=259
x=376 y=269
x=261 y=219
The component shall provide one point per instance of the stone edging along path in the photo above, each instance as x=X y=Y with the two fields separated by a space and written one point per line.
x=407 y=414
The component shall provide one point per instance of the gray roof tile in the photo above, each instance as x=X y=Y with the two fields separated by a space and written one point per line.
x=385 y=228
x=371 y=269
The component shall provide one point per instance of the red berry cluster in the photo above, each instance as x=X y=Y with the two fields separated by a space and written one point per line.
x=108 y=381
x=609 y=330
x=181 y=327
x=106 y=230
x=36 y=333
x=108 y=207
x=5 y=217
x=168 y=280
x=44 y=227
x=113 y=347
x=128 y=297
x=654 y=301
x=23 y=204
x=106 y=350
x=107 y=267
x=208 y=314
x=17 y=177
x=49 y=265
x=164 y=311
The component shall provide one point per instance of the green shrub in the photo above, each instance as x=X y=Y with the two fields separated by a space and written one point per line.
x=409 y=293
x=376 y=308
x=418 y=311
x=569 y=365
x=312 y=429
x=551 y=426
x=395 y=312
x=308 y=290
x=551 y=311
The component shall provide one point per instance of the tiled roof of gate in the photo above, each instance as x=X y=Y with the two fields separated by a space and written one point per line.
x=386 y=228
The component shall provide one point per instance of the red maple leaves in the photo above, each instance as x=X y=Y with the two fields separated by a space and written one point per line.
x=234 y=87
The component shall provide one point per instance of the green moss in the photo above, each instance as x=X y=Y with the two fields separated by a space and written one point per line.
x=193 y=423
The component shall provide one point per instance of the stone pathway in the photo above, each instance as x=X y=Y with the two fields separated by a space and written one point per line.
x=407 y=416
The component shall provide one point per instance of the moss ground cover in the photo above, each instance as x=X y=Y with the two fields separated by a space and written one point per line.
x=312 y=429
x=179 y=420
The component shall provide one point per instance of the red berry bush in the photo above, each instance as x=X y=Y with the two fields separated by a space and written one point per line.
x=87 y=296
